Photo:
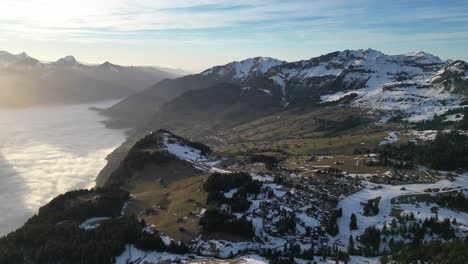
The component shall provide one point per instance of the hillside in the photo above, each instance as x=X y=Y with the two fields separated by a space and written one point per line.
x=27 y=81
x=413 y=87
x=329 y=104
x=198 y=205
x=319 y=160
x=137 y=110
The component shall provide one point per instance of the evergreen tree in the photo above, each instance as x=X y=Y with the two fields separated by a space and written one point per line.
x=353 y=222
x=351 y=245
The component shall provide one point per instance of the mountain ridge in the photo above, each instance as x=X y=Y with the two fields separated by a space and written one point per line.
x=413 y=86
x=28 y=81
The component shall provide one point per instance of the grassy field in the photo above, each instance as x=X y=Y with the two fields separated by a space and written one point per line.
x=312 y=131
x=293 y=135
x=173 y=206
x=348 y=163
x=167 y=197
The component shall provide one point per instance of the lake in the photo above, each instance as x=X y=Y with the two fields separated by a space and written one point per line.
x=46 y=151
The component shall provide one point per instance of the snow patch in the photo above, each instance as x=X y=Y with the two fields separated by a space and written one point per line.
x=454 y=118
x=392 y=137
x=352 y=204
x=230 y=193
x=280 y=83
x=183 y=152
x=92 y=223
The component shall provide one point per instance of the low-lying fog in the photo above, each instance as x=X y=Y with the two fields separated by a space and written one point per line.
x=45 y=151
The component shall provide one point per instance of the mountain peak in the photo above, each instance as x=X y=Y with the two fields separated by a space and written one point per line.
x=109 y=67
x=68 y=60
x=8 y=59
x=424 y=57
x=107 y=64
x=23 y=55
x=4 y=53
x=418 y=53
x=364 y=53
x=239 y=70
x=258 y=65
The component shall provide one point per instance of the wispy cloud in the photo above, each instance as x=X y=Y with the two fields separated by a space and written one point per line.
x=207 y=8
x=299 y=23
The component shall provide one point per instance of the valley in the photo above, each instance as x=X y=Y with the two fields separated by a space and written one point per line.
x=350 y=157
x=285 y=205
x=233 y=132
x=307 y=192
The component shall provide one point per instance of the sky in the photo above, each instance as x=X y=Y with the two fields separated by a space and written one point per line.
x=195 y=35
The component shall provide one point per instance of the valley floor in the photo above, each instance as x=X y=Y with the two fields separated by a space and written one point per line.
x=310 y=196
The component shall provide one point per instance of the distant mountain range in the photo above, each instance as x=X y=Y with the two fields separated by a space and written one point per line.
x=413 y=86
x=26 y=81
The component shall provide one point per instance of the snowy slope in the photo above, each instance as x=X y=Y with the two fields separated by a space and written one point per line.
x=353 y=204
x=413 y=86
x=182 y=151
x=418 y=84
x=243 y=70
x=196 y=157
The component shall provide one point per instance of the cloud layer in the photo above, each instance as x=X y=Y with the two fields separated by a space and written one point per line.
x=45 y=152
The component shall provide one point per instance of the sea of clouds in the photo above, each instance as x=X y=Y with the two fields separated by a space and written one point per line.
x=45 y=151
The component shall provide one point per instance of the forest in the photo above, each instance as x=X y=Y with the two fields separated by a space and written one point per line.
x=54 y=235
x=220 y=220
x=448 y=151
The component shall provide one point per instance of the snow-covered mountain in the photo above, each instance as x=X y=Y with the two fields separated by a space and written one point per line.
x=68 y=80
x=416 y=85
x=413 y=86
x=243 y=70
x=22 y=60
x=137 y=109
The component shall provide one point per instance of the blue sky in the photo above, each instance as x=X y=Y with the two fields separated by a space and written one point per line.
x=195 y=35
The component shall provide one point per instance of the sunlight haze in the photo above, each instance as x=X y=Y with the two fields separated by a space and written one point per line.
x=195 y=35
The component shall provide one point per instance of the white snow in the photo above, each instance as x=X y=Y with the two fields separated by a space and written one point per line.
x=134 y=255
x=262 y=178
x=218 y=170
x=392 y=83
x=149 y=229
x=230 y=193
x=278 y=190
x=183 y=152
x=337 y=96
x=280 y=82
x=92 y=223
x=352 y=204
x=454 y=118
x=192 y=155
x=428 y=135
x=252 y=66
x=223 y=248
x=241 y=70
x=166 y=239
x=124 y=207
x=308 y=220
x=392 y=137
x=422 y=211
x=265 y=91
